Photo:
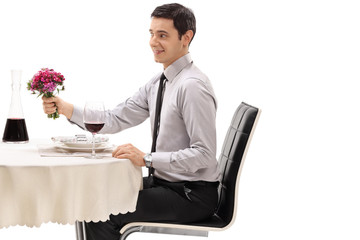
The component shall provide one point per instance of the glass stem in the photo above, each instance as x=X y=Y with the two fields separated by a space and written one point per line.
x=93 y=146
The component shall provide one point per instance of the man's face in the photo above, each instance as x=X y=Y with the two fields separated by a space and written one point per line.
x=165 y=42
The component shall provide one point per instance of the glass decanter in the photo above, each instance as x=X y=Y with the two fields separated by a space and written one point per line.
x=15 y=128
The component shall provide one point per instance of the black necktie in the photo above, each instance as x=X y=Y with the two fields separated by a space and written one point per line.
x=159 y=100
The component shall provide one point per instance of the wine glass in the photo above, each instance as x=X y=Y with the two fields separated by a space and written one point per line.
x=94 y=120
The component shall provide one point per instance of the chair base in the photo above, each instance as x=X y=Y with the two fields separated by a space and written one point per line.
x=81 y=232
x=163 y=230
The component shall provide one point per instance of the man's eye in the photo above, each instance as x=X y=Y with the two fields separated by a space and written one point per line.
x=162 y=35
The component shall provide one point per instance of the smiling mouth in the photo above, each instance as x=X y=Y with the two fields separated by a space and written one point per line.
x=157 y=52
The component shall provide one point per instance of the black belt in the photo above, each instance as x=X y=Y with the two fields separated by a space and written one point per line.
x=193 y=183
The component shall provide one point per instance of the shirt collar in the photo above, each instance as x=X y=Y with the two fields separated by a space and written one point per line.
x=176 y=67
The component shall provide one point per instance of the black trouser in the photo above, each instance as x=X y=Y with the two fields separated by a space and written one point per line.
x=162 y=201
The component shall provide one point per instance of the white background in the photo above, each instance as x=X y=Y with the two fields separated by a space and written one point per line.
x=296 y=60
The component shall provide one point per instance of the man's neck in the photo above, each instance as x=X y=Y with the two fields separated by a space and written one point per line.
x=167 y=65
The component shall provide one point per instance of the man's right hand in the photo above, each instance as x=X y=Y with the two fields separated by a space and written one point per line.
x=64 y=108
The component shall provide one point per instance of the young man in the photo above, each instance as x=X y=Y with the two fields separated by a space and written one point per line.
x=183 y=185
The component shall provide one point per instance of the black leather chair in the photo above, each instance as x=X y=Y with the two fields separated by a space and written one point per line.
x=231 y=162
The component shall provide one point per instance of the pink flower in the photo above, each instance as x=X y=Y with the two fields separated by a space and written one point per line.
x=46 y=82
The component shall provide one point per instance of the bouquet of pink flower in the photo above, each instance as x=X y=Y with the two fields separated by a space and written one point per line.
x=46 y=82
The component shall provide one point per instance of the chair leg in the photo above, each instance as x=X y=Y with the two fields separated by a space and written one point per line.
x=163 y=230
x=174 y=231
x=80 y=230
x=130 y=231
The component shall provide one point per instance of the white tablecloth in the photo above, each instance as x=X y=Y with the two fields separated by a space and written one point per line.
x=35 y=190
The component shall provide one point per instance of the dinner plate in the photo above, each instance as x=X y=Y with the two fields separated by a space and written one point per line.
x=99 y=148
x=82 y=145
x=80 y=141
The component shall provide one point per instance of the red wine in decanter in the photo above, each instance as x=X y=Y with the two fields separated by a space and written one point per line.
x=15 y=131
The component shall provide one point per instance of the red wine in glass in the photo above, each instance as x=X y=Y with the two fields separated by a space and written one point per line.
x=94 y=127
x=94 y=120
x=15 y=131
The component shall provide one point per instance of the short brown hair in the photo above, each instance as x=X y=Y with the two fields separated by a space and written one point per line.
x=183 y=17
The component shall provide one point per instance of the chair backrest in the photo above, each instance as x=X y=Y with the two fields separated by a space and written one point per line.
x=231 y=160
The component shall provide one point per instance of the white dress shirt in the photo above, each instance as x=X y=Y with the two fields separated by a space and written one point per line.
x=186 y=143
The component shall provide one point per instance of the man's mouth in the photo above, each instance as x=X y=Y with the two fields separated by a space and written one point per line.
x=157 y=52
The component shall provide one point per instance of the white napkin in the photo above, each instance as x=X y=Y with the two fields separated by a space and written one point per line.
x=51 y=150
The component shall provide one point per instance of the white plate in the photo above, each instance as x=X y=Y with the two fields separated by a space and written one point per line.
x=100 y=148
x=80 y=141
x=83 y=144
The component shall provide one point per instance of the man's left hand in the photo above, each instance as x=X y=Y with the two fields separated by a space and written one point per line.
x=128 y=151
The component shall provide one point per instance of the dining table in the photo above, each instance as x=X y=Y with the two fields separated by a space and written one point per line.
x=42 y=182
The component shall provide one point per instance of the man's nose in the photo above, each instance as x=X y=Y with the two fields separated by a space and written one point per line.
x=153 y=41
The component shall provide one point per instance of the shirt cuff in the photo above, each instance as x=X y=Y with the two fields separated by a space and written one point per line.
x=77 y=117
x=161 y=160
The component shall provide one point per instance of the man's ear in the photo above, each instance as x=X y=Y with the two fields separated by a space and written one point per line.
x=187 y=37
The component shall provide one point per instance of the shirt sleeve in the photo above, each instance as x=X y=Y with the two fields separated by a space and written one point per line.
x=125 y=115
x=197 y=106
